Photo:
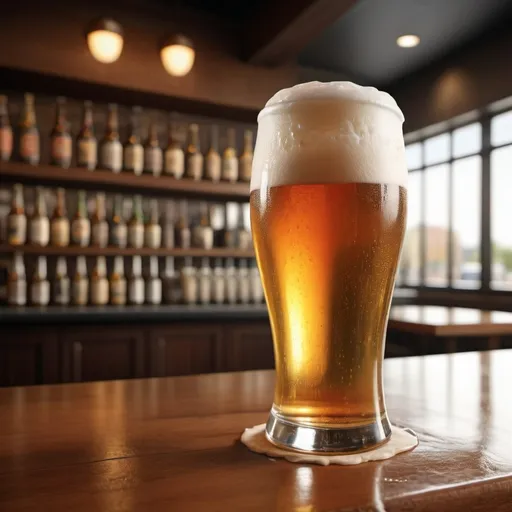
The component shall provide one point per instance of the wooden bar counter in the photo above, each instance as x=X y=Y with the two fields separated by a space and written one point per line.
x=171 y=444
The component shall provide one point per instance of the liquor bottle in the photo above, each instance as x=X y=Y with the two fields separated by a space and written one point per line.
x=182 y=236
x=171 y=282
x=136 y=224
x=153 y=283
x=232 y=214
x=243 y=235
x=205 y=282
x=218 y=283
x=217 y=222
x=60 y=139
x=40 y=286
x=17 y=282
x=230 y=275
x=61 y=285
x=5 y=131
x=80 y=287
x=80 y=225
x=136 y=283
x=168 y=226
x=203 y=232
x=17 y=220
x=244 y=282
x=257 y=294
x=189 y=286
x=153 y=230
x=174 y=156
x=99 y=282
x=153 y=157
x=246 y=157
x=111 y=151
x=133 y=151
x=86 y=143
x=39 y=227
x=229 y=158
x=99 y=227
x=194 y=157
x=118 y=228
x=118 y=288
x=29 y=145
x=213 y=161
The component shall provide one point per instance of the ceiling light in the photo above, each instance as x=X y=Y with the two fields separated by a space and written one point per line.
x=105 y=40
x=408 y=41
x=178 y=55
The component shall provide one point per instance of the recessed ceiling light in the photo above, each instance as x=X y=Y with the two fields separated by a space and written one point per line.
x=408 y=41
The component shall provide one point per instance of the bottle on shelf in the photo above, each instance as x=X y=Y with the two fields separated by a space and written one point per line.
x=5 y=131
x=203 y=232
x=189 y=283
x=59 y=227
x=40 y=286
x=182 y=236
x=118 y=228
x=61 y=144
x=205 y=282
x=111 y=151
x=217 y=222
x=244 y=282
x=231 y=211
x=218 y=283
x=80 y=225
x=171 y=283
x=153 y=157
x=174 y=155
x=39 y=227
x=213 y=160
x=86 y=143
x=136 y=224
x=61 y=285
x=246 y=157
x=118 y=288
x=257 y=294
x=231 y=277
x=17 y=282
x=136 y=283
x=99 y=282
x=153 y=230
x=229 y=158
x=153 y=283
x=99 y=224
x=29 y=144
x=17 y=220
x=168 y=227
x=194 y=157
x=133 y=150
x=80 y=286
x=243 y=235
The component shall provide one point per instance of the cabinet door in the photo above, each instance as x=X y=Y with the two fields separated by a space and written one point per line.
x=102 y=353
x=184 y=350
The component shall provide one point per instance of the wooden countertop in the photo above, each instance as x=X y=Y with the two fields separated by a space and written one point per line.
x=444 y=321
x=172 y=444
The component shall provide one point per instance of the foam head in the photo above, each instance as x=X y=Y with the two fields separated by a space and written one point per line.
x=336 y=132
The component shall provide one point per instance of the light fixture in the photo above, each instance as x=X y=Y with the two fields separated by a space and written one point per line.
x=178 y=55
x=408 y=41
x=105 y=40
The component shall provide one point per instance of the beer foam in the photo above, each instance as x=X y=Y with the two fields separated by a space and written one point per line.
x=338 y=132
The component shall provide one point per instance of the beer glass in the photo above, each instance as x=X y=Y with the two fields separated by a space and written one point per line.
x=328 y=213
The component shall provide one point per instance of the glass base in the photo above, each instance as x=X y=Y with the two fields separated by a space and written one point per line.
x=309 y=439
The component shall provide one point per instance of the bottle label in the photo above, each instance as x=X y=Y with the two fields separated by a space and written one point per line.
x=80 y=291
x=118 y=292
x=119 y=235
x=16 y=229
x=213 y=167
x=60 y=232
x=100 y=234
x=153 y=236
x=175 y=162
x=136 y=235
x=195 y=166
x=99 y=291
x=246 y=167
x=61 y=149
x=40 y=293
x=112 y=155
x=136 y=291
x=17 y=292
x=154 y=291
x=40 y=231
x=80 y=232
x=87 y=153
x=230 y=168
x=5 y=143
x=134 y=158
x=153 y=160
x=62 y=290
x=29 y=147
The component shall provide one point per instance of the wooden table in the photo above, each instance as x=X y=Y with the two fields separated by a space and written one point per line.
x=451 y=323
x=171 y=444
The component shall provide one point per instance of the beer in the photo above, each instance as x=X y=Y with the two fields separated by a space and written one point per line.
x=59 y=227
x=29 y=144
x=229 y=158
x=153 y=230
x=99 y=224
x=212 y=160
x=39 y=227
x=111 y=151
x=174 y=155
x=194 y=158
x=153 y=156
x=118 y=290
x=246 y=157
x=60 y=138
x=118 y=228
x=81 y=225
x=5 y=131
x=86 y=143
x=328 y=212
x=17 y=220
x=61 y=284
x=133 y=150
x=136 y=224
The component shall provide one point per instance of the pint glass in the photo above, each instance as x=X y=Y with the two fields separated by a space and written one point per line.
x=328 y=214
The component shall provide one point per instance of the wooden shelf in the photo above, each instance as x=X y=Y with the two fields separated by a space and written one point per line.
x=123 y=182
x=73 y=250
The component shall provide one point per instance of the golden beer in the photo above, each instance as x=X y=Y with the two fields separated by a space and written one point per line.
x=327 y=247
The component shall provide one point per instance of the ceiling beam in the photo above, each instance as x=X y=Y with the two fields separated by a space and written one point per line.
x=282 y=28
